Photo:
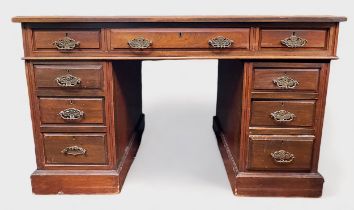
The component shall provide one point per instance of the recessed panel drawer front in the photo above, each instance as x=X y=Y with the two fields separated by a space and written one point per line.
x=233 y=38
x=66 y=40
x=286 y=79
x=294 y=39
x=72 y=110
x=280 y=152
x=83 y=148
x=283 y=113
x=68 y=76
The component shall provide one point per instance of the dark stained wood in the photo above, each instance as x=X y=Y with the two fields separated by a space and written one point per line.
x=94 y=144
x=246 y=113
x=127 y=101
x=93 y=109
x=321 y=103
x=91 y=75
x=110 y=95
x=285 y=184
x=178 y=55
x=171 y=19
x=35 y=116
x=229 y=103
x=48 y=128
x=69 y=92
x=226 y=153
x=307 y=78
x=304 y=113
x=130 y=151
x=109 y=107
x=172 y=38
x=281 y=130
x=271 y=38
x=61 y=181
x=43 y=39
x=75 y=182
x=279 y=184
x=284 y=95
x=261 y=148
x=180 y=40
x=261 y=136
x=68 y=127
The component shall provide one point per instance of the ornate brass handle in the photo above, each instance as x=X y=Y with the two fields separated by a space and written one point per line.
x=282 y=156
x=74 y=150
x=68 y=80
x=139 y=43
x=71 y=114
x=66 y=43
x=282 y=116
x=294 y=41
x=220 y=42
x=286 y=82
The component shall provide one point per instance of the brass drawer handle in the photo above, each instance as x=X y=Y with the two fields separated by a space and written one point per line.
x=139 y=43
x=294 y=41
x=220 y=42
x=71 y=114
x=285 y=82
x=74 y=150
x=66 y=43
x=282 y=116
x=68 y=80
x=282 y=156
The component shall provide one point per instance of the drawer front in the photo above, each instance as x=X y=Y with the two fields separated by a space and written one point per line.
x=283 y=113
x=66 y=40
x=181 y=38
x=294 y=39
x=286 y=79
x=71 y=110
x=68 y=76
x=80 y=148
x=283 y=152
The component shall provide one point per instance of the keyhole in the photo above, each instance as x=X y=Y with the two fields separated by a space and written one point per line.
x=71 y=102
x=293 y=33
x=180 y=34
x=282 y=103
x=68 y=70
x=66 y=34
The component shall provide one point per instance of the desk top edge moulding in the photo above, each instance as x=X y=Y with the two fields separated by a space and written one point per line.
x=171 y=19
x=84 y=81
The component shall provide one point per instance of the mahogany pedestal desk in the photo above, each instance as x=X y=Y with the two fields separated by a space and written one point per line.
x=84 y=81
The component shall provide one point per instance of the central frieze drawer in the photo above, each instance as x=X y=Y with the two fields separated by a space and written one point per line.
x=72 y=110
x=74 y=148
x=174 y=38
x=283 y=113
